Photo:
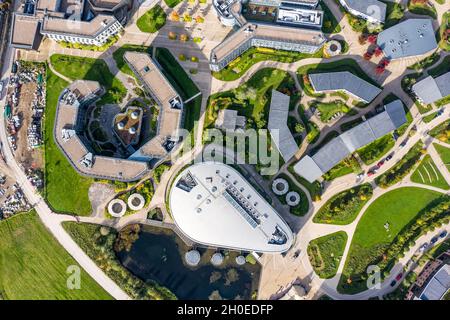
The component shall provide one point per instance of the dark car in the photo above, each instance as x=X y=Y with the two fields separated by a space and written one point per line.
x=389 y=157
x=443 y=234
x=399 y=276
x=403 y=143
x=434 y=239
x=393 y=283
x=14 y=67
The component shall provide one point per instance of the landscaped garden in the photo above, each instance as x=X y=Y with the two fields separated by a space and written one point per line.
x=312 y=130
x=35 y=266
x=328 y=111
x=314 y=188
x=401 y=168
x=375 y=150
x=444 y=32
x=240 y=65
x=302 y=208
x=66 y=191
x=153 y=20
x=422 y=7
x=101 y=244
x=79 y=68
x=330 y=23
x=344 y=207
x=346 y=166
x=428 y=173
x=325 y=253
x=441 y=132
x=385 y=230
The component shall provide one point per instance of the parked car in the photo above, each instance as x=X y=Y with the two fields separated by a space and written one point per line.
x=395 y=135
x=14 y=67
x=440 y=112
x=389 y=157
x=443 y=234
x=1 y=89
x=404 y=143
x=399 y=276
x=434 y=240
x=393 y=283
x=423 y=247
x=379 y=164
x=370 y=173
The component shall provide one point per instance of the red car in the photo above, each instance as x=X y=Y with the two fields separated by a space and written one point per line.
x=399 y=276
x=370 y=173
x=379 y=164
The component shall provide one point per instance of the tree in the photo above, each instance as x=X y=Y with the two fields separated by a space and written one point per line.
x=299 y=128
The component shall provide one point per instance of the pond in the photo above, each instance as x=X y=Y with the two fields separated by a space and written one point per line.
x=158 y=255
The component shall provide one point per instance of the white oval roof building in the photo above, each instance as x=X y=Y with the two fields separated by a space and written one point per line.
x=213 y=204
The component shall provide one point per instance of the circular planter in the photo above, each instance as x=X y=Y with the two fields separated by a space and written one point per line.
x=117 y=208
x=217 y=259
x=292 y=198
x=240 y=260
x=280 y=186
x=136 y=201
x=192 y=258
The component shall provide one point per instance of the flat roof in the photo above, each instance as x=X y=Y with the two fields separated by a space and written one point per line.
x=312 y=167
x=50 y=5
x=169 y=119
x=438 y=286
x=214 y=205
x=432 y=89
x=344 y=80
x=251 y=31
x=372 y=8
x=409 y=38
x=76 y=27
x=279 y=130
x=75 y=149
x=24 y=30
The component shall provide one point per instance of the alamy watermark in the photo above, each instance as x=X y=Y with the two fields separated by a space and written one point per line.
x=74 y=279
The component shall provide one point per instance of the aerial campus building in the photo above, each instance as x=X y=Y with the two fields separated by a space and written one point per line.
x=71 y=114
x=410 y=38
x=344 y=81
x=370 y=10
x=430 y=90
x=89 y=22
x=278 y=127
x=214 y=205
x=438 y=286
x=295 y=26
x=313 y=167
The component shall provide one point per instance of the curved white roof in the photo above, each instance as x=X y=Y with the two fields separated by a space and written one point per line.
x=214 y=205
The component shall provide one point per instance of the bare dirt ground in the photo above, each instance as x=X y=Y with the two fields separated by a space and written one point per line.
x=29 y=158
x=99 y=195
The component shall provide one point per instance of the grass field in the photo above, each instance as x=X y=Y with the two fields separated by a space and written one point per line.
x=153 y=20
x=395 y=209
x=427 y=173
x=90 y=69
x=344 y=207
x=33 y=264
x=329 y=109
x=444 y=153
x=118 y=56
x=325 y=253
x=65 y=190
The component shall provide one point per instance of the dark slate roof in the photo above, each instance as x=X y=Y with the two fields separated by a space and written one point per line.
x=311 y=168
x=372 y=8
x=430 y=90
x=279 y=130
x=409 y=38
x=344 y=80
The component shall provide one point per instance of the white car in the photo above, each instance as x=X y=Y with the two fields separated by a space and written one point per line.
x=1 y=89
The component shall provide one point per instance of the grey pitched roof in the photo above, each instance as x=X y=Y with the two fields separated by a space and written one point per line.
x=409 y=38
x=281 y=135
x=344 y=80
x=372 y=8
x=430 y=90
x=345 y=144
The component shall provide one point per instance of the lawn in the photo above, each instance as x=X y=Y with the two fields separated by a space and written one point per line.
x=378 y=227
x=302 y=208
x=325 y=253
x=34 y=264
x=344 y=207
x=120 y=62
x=346 y=166
x=172 y=3
x=444 y=153
x=98 y=243
x=328 y=110
x=441 y=132
x=182 y=82
x=90 y=69
x=65 y=190
x=239 y=66
x=417 y=7
x=376 y=149
x=330 y=23
x=153 y=20
x=427 y=173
